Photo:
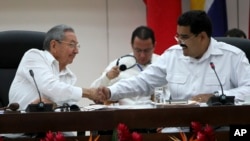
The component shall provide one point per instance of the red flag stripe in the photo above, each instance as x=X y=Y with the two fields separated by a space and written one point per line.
x=162 y=17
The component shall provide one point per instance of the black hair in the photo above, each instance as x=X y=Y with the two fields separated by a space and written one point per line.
x=144 y=33
x=235 y=32
x=198 y=21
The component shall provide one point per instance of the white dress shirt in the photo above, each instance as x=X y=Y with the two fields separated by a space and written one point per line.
x=103 y=80
x=187 y=77
x=52 y=84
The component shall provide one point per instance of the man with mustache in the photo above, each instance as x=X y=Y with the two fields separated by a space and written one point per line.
x=186 y=69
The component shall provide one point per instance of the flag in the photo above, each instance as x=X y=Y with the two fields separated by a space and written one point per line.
x=162 y=16
x=197 y=4
x=217 y=11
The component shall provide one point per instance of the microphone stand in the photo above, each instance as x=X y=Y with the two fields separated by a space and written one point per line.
x=41 y=106
x=222 y=99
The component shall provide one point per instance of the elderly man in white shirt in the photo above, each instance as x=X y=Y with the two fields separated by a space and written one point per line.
x=54 y=79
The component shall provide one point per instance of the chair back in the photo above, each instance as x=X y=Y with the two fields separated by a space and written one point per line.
x=243 y=44
x=14 y=44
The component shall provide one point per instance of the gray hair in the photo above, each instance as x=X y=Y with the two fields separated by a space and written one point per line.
x=56 y=33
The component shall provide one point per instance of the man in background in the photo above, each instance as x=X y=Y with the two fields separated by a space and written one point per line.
x=235 y=32
x=142 y=45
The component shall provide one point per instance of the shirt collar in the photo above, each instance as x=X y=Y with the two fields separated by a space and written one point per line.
x=211 y=51
x=150 y=61
x=52 y=61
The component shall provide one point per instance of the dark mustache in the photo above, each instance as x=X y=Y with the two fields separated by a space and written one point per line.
x=183 y=45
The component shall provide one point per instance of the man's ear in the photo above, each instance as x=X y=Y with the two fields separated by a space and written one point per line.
x=203 y=35
x=53 y=44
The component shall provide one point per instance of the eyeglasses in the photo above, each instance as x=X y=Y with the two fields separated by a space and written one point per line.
x=70 y=44
x=146 y=51
x=183 y=38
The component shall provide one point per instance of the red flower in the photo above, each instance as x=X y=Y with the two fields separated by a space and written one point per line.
x=136 y=136
x=59 y=137
x=123 y=132
x=50 y=136
x=209 y=131
x=196 y=127
x=201 y=136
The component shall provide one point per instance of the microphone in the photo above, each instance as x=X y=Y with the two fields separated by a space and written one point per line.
x=123 y=67
x=222 y=99
x=41 y=106
x=213 y=68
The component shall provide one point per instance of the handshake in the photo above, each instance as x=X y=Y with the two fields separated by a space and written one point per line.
x=100 y=94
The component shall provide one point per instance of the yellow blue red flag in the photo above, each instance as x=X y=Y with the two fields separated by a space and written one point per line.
x=216 y=10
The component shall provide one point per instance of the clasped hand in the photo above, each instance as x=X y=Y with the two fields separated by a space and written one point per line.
x=100 y=94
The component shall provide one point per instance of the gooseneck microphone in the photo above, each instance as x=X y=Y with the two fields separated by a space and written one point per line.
x=213 y=68
x=222 y=99
x=41 y=106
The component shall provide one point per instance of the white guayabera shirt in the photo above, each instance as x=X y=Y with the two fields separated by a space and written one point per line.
x=52 y=84
x=187 y=77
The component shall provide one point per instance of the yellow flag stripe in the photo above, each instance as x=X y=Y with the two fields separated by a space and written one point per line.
x=197 y=4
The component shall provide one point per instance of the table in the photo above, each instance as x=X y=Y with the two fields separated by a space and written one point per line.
x=108 y=119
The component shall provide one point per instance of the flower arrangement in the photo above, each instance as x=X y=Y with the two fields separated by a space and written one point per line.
x=58 y=136
x=200 y=133
x=51 y=136
x=122 y=133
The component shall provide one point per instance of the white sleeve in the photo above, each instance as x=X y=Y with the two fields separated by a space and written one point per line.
x=103 y=80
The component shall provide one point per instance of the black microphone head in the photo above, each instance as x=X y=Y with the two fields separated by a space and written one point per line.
x=123 y=67
x=212 y=65
x=74 y=108
x=13 y=106
x=31 y=73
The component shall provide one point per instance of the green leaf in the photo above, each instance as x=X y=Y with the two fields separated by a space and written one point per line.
x=115 y=135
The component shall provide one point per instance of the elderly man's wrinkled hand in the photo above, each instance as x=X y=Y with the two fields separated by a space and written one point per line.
x=100 y=94
x=104 y=93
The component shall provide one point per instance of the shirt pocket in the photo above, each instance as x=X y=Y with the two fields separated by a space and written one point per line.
x=212 y=83
x=176 y=83
x=212 y=80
